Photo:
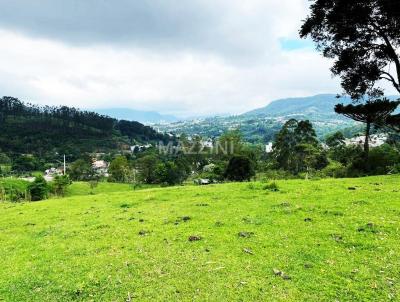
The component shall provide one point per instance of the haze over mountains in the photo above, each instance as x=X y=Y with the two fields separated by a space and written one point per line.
x=145 y=117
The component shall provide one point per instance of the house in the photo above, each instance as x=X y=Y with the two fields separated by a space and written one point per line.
x=100 y=167
x=140 y=148
x=269 y=147
x=53 y=172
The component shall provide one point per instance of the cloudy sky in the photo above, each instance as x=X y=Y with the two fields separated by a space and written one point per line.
x=182 y=57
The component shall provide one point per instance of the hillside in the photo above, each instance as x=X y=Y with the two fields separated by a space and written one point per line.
x=145 y=117
x=26 y=128
x=314 y=106
x=261 y=125
x=311 y=241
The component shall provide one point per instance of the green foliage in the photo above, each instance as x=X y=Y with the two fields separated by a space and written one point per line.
x=25 y=128
x=38 y=189
x=60 y=185
x=383 y=159
x=273 y=187
x=13 y=190
x=81 y=170
x=334 y=170
x=240 y=168
x=120 y=170
x=335 y=140
x=147 y=168
x=26 y=163
x=362 y=38
x=296 y=148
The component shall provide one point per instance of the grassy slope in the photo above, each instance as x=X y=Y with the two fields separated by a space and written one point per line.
x=89 y=248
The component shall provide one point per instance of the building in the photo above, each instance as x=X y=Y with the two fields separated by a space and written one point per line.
x=376 y=140
x=100 y=167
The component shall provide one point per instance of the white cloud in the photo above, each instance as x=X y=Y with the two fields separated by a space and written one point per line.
x=246 y=68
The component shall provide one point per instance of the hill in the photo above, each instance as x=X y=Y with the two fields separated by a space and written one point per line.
x=261 y=125
x=311 y=241
x=145 y=117
x=27 y=128
x=319 y=105
x=314 y=107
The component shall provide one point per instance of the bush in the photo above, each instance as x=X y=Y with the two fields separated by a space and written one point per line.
x=240 y=168
x=60 y=185
x=334 y=169
x=273 y=187
x=382 y=159
x=13 y=190
x=38 y=189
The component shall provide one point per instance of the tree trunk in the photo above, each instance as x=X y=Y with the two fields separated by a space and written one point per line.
x=366 y=143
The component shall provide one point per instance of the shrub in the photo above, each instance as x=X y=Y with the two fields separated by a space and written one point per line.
x=240 y=168
x=273 y=187
x=334 y=169
x=60 y=185
x=38 y=189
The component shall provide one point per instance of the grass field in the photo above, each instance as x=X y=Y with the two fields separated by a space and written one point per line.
x=327 y=240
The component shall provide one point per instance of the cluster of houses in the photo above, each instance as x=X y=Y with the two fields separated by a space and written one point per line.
x=376 y=140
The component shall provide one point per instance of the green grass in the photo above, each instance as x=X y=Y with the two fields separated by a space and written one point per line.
x=334 y=243
x=83 y=188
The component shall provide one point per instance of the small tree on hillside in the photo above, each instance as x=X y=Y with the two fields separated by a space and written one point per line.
x=372 y=112
x=240 y=168
x=38 y=189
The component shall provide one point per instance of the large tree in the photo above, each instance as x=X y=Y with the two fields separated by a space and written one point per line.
x=372 y=112
x=363 y=38
x=296 y=148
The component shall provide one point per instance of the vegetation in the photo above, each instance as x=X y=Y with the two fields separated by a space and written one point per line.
x=45 y=131
x=372 y=112
x=321 y=240
x=362 y=38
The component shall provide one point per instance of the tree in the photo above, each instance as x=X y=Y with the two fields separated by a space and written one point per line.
x=169 y=173
x=335 y=140
x=81 y=170
x=120 y=170
x=60 y=184
x=240 y=168
x=362 y=36
x=393 y=122
x=230 y=142
x=372 y=112
x=38 y=189
x=296 y=148
x=284 y=144
x=147 y=168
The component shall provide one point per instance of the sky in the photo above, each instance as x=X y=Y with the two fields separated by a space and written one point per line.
x=187 y=58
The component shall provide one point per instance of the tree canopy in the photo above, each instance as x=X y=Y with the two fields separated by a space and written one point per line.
x=363 y=38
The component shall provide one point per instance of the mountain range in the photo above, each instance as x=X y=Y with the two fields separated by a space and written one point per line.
x=261 y=125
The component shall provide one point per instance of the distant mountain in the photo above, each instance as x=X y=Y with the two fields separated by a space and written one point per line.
x=319 y=106
x=145 y=117
x=261 y=125
x=322 y=104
